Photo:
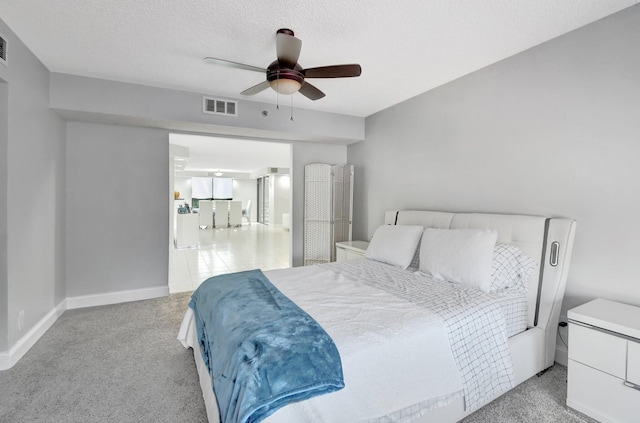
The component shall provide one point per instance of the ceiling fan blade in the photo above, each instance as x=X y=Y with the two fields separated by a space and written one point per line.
x=229 y=63
x=256 y=88
x=287 y=48
x=311 y=92
x=335 y=71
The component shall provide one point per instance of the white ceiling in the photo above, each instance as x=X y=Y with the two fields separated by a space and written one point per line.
x=405 y=47
x=229 y=155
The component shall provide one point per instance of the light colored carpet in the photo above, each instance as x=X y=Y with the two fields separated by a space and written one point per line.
x=117 y=363
x=539 y=399
x=122 y=363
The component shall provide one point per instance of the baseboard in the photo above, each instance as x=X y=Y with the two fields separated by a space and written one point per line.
x=11 y=357
x=5 y=360
x=562 y=355
x=116 y=297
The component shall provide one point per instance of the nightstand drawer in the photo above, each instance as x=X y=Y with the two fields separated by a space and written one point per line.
x=350 y=250
x=597 y=349
x=604 y=361
x=601 y=395
x=343 y=255
x=633 y=363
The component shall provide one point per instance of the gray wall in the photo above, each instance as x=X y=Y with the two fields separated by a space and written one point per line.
x=34 y=199
x=125 y=247
x=94 y=100
x=4 y=287
x=117 y=208
x=552 y=131
x=81 y=98
x=315 y=136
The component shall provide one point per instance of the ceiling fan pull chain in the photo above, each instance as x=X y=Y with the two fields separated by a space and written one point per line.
x=277 y=89
x=291 y=108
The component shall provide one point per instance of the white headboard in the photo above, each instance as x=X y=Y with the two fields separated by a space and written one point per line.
x=548 y=240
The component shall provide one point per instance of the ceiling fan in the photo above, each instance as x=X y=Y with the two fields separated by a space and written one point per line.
x=285 y=75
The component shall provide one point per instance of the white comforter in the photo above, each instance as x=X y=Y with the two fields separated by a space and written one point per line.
x=397 y=355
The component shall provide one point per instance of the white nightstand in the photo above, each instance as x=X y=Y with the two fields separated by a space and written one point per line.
x=604 y=361
x=349 y=250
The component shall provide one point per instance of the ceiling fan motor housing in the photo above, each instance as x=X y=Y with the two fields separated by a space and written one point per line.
x=276 y=71
x=285 y=31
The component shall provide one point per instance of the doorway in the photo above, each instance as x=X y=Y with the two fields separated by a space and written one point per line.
x=252 y=167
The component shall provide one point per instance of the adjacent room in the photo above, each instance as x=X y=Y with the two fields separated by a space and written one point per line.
x=207 y=174
x=319 y=212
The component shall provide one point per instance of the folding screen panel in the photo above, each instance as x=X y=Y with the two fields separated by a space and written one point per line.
x=328 y=202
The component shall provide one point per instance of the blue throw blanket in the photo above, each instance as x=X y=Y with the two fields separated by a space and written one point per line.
x=262 y=350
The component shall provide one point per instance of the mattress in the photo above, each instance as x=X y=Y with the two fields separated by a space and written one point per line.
x=513 y=304
x=398 y=354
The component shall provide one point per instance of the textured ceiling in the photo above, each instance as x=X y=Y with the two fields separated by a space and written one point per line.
x=404 y=47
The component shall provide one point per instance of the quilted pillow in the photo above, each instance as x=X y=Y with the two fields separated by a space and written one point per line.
x=395 y=244
x=510 y=268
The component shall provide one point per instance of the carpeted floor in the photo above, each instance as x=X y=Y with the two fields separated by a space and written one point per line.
x=539 y=399
x=117 y=363
x=122 y=363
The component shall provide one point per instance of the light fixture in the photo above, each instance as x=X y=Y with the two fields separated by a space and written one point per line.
x=283 y=80
x=218 y=173
x=285 y=86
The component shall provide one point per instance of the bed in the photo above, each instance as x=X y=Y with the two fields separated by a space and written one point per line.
x=415 y=348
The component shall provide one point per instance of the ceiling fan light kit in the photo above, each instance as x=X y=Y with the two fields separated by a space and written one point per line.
x=285 y=75
x=284 y=80
x=285 y=86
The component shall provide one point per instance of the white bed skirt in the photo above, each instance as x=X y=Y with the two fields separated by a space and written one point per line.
x=189 y=339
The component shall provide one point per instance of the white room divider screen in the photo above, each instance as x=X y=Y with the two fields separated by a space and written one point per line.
x=328 y=207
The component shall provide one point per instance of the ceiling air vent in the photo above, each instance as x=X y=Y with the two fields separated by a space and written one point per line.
x=3 y=50
x=216 y=106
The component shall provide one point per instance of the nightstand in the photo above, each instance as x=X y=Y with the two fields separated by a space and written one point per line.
x=604 y=361
x=349 y=250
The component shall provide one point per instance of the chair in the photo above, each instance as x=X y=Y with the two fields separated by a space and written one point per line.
x=222 y=214
x=246 y=213
x=235 y=213
x=206 y=214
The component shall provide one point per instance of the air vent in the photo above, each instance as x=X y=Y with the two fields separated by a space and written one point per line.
x=3 y=50
x=273 y=170
x=217 y=106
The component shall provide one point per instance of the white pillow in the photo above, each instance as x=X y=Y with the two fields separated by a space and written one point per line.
x=510 y=268
x=395 y=244
x=459 y=255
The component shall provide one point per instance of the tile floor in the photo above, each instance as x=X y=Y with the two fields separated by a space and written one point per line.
x=254 y=246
